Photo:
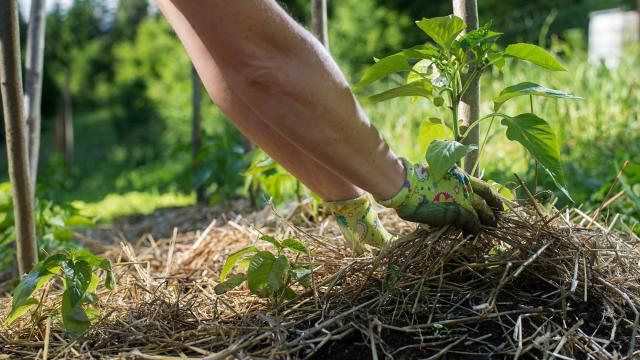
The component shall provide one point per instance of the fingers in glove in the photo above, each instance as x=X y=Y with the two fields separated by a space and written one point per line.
x=485 y=213
x=486 y=192
x=440 y=214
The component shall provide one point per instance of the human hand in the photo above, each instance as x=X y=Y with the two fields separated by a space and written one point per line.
x=456 y=199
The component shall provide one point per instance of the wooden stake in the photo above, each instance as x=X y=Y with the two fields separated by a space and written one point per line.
x=16 y=136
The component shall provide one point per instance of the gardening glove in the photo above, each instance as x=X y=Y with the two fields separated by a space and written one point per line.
x=359 y=223
x=456 y=198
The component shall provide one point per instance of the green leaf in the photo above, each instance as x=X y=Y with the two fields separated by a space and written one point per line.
x=442 y=154
x=533 y=54
x=538 y=138
x=272 y=240
x=302 y=274
x=421 y=88
x=77 y=276
x=391 y=64
x=481 y=35
x=18 y=309
x=233 y=259
x=420 y=71
x=504 y=191
x=93 y=314
x=295 y=246
x=74 y=318
x=98 y=261
x=41 y=273
x=443 y=30
x=109 y=281
x=267 y=273
x=77 y=221
x=243 y=264
x=93 y=284
x=529 y=88
x=431 y=130
x=229 y=284
x=496 y=58
x=426 y=51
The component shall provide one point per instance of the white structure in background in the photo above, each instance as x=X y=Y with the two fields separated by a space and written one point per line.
x=610 y=32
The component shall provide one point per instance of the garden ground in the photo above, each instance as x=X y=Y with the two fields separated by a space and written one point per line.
x=540 y=285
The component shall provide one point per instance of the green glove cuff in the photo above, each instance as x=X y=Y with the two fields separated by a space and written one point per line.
x=359 y=223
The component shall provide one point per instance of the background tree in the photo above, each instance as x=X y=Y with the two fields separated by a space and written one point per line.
x=196 y=128
x=469 y=109
x=319 y=23
x=33 y=84
x=16 y=135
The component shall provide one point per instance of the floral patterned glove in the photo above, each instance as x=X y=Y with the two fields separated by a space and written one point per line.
x=456 y=199
x=359 y=223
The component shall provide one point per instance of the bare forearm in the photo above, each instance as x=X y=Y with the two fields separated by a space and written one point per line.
x=287 y=77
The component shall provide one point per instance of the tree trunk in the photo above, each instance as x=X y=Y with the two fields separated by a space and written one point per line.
x=33 y=84
x=196 y=120
x=319 y=24
x=16 y=136
x=67 y=114
x=469 y=109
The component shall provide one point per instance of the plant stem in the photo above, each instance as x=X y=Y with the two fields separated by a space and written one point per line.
x=531 y=102
x=455 y=99
x=484 y=143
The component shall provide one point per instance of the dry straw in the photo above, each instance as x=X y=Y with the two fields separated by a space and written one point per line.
x=539 y=286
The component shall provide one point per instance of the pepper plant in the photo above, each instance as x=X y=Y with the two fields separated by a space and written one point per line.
x=442 y=72
x=78 y=271
x=268 y=275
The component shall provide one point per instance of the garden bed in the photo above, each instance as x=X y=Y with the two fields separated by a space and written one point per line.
x=538 y=286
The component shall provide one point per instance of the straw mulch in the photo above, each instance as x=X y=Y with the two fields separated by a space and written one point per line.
x=539 y=286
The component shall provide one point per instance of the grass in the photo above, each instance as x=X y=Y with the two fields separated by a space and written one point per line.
x=116 y=205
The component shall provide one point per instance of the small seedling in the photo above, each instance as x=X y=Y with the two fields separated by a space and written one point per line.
x=77 y=270
x=444 y=71
x=268 y=275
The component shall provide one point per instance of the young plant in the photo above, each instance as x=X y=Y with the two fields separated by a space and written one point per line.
x=268 y=275
x=443 y=72
x=77 y=270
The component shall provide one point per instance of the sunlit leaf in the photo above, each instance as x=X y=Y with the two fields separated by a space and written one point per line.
x=33 y=281
x=19 y=309
x=443 y=30
x=420 y=88
x=534 y=54
x=233 y=259
x=442 y=154
x=426 y=51
x=271 y=240
x=391 y=64
x=431 y=130
x=529 y=88
x=295 y=246
x=538 y=138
